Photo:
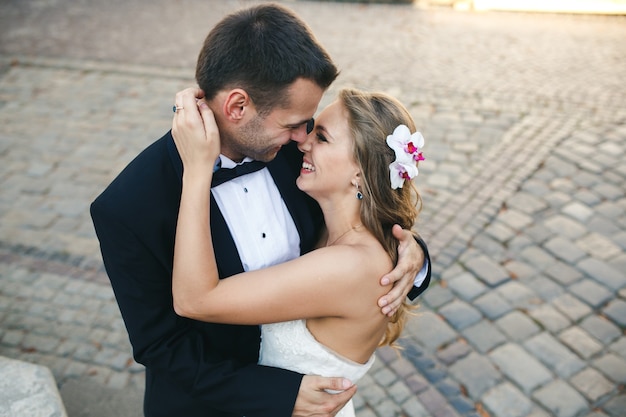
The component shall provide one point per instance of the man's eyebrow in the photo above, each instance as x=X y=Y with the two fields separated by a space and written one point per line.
x=297 y=124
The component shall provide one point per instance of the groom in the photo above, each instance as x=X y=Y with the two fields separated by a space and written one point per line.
x=267 y=72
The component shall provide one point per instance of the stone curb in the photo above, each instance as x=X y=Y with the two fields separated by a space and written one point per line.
x=28 y=389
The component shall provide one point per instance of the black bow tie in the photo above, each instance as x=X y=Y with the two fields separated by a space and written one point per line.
x=226 y=174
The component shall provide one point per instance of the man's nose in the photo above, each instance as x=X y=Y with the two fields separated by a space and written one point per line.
x=305 y=145
x=302 y=132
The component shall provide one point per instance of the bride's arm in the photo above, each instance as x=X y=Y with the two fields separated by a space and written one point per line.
x=323 y=283
x=197 y=140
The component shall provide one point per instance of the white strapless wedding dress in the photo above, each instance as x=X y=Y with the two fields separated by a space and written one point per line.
x=290 y=345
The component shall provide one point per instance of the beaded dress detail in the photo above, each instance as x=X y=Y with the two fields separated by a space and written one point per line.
x=290 y=345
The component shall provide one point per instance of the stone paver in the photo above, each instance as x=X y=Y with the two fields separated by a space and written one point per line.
x=28 y=389
x=524 y=191
x=561 y=400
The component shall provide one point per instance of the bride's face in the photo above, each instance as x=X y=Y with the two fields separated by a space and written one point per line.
x=328 y=166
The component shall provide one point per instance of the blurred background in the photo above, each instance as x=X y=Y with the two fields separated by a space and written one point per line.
x=523 y=107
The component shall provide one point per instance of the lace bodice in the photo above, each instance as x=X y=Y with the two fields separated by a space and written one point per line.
x=290 y=345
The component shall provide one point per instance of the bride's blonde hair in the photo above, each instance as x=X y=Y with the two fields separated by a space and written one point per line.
x=371 y=118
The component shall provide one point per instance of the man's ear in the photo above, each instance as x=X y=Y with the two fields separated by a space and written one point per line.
x=237 y=104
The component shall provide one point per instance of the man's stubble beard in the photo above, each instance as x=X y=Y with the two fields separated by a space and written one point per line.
x=251 y=141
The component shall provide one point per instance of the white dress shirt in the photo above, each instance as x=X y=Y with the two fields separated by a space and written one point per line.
x=257 y=218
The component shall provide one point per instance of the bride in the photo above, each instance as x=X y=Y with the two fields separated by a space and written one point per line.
x=318 y=312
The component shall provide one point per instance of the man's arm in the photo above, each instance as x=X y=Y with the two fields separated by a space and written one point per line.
x=411 y=276
x=176 y=348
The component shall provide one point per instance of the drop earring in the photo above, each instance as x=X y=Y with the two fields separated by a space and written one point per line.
x=359 y=195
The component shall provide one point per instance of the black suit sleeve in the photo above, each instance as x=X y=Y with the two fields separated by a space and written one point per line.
x=179 y=349
x=415 y=291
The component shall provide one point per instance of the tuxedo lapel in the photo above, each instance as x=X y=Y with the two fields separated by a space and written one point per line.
x=226 y=254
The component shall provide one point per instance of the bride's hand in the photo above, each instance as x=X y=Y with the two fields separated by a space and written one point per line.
x=195 y=132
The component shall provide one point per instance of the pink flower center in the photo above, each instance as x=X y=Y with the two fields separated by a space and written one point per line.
x=410 y=148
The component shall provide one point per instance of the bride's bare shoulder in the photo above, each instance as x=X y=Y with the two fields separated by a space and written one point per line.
x=370 y=255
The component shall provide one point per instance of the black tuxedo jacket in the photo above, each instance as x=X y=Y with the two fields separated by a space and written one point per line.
x=192 y=368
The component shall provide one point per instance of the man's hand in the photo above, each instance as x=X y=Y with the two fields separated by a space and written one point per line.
x=313 y=400
x=410 y=262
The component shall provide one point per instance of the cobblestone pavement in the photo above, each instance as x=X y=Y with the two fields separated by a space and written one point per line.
x=524 y=192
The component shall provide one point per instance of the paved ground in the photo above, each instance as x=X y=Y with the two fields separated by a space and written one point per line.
x=524 y=189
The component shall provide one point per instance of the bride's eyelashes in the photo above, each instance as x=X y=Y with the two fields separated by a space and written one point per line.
x=321 y=137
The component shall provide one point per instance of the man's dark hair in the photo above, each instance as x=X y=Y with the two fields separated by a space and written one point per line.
x=262 y=49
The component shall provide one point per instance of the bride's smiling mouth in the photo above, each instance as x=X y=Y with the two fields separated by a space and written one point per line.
x=307 y=167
